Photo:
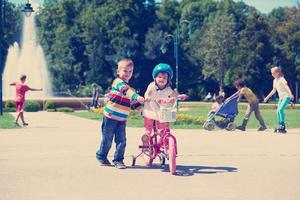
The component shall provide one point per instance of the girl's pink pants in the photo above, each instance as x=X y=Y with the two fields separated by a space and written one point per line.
x=149 y=124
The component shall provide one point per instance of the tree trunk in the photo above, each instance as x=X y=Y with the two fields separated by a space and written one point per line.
x=221 y=77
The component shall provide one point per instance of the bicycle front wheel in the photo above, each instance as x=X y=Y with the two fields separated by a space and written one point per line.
x=172 y=155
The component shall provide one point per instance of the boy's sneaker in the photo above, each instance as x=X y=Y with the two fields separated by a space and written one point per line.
x=120 y=165
x=104 y=162
x=241 y=128
x=262 y=128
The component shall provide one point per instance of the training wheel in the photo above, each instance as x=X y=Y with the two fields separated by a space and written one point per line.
x=133 y=161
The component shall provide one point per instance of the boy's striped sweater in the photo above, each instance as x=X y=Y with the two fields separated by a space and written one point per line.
x=120 y=101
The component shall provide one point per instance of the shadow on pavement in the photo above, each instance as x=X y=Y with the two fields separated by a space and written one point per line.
x=191 y=170
x=183 y=170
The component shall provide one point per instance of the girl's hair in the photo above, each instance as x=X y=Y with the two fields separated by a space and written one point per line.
x=276 y=69
x=23 y=77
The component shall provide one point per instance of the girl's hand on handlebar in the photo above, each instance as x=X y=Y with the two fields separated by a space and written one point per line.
x=140 y=99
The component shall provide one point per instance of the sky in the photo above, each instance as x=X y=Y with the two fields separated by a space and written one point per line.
x=265 y=6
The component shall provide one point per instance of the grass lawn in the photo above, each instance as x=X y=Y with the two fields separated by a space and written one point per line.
x=201 y=109
x=6 y=121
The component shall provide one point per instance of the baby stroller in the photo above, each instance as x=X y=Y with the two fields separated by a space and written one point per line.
x=224 y=116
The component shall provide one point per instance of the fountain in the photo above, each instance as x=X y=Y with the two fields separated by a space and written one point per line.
x=27 y=58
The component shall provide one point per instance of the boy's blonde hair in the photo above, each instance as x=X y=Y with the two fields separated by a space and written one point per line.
x=125 y=62
x=276 y=69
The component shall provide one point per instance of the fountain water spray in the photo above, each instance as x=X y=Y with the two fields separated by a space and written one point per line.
x=27 y=59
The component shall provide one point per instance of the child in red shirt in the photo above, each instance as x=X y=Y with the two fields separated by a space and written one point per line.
x=21 y=89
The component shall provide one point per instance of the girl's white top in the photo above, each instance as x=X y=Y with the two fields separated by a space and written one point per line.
x=279 y=85
x=151 y=108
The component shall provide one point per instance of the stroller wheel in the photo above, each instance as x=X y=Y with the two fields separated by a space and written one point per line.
x=209 y=126
x=231 y=126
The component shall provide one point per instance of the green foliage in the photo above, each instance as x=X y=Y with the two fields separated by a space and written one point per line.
x=49 y=105
x=64 y=109
x=215 y=46
x=224 y=41
x=32 y=106
x=9 y=104
x=7 y=121
x=12 y=24
x=9 y=109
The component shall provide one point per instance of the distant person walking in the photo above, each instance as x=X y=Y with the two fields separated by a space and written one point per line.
x=95 y=96
x=285 y=96
x=21 y=89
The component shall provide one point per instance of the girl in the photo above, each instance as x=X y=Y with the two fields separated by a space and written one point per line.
x=21 y=89
x=285 y=96
x=159 y=89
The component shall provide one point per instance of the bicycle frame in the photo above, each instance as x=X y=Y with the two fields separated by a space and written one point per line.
x=158 y=144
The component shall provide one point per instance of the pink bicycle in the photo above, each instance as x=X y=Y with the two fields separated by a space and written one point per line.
x=161 y=143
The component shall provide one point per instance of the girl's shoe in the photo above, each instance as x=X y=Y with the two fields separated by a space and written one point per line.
x=282 y=131
x=25 y=124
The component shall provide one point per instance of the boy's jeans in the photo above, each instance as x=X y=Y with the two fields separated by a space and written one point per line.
x=110 y=129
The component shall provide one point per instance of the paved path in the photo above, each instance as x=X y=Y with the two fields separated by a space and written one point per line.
x=54 y=158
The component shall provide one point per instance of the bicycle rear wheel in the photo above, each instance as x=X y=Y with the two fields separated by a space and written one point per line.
x=172 y=155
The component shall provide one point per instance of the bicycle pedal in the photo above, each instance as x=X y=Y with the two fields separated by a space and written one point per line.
x=144 y=146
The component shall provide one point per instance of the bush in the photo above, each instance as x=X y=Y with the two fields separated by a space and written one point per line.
x=9 y=104
x=65 y=109
x=49 y=105
x=32 y=106
x=9 y=109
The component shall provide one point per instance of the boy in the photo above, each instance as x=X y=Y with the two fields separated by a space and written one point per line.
x=252 y=106
x=116 y=113
x=21 y=89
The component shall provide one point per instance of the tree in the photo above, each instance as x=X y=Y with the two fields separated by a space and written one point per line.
x=286 y=40
x=216 y=41
x=253 y=54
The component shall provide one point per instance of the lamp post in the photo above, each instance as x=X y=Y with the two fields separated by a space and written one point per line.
x=27 y=11
x=176 y=40
x=1 y=55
